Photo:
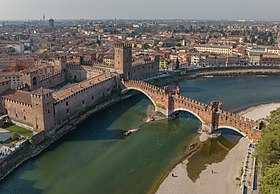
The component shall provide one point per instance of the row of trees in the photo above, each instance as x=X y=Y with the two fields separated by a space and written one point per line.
x=268 y=153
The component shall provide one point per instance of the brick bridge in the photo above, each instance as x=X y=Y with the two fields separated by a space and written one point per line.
x=168 y=101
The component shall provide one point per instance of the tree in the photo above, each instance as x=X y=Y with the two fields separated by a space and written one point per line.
x=14 y=136
x=268 y=148
x=145 y=46
x=270 y=182
x=177 y=64
x=98 y=42
x=268 y=153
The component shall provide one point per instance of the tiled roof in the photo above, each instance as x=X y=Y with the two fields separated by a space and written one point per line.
x=41 y=91
x=66 y=92
x=18 y=95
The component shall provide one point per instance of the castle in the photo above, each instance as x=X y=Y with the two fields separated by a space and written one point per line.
x=46 y=96
x=124 y=66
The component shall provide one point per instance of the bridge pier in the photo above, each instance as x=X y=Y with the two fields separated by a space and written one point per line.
x=212 y=117
x=206 y=128
x=162 y=111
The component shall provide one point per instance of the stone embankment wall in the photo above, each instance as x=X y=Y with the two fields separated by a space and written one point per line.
x=41 y=141
x=233 y=70
x=13 y=160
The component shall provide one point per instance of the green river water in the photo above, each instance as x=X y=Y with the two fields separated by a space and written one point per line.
x=96 y=158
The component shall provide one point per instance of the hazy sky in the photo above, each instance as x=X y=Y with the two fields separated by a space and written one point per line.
x=140 y=9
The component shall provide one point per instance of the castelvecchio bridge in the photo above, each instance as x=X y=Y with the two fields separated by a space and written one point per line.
x=168 y=101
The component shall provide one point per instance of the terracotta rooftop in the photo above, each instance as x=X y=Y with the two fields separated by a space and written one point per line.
x=3 y=80
x=10 y=73
x=18 y=95
x=41 y=91
x=29 y=70
x=66 y=92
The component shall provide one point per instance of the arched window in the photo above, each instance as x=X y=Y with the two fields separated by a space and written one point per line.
x=34 y=81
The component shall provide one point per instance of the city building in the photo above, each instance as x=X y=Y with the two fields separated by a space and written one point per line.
x=217 y=49
x=51 y=23
x=137 y=70
x=48 y=94
x=254 y=58
x=270 y=60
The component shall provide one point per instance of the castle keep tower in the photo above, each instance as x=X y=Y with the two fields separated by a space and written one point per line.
x=42 y=105
x=60 y=64
x=30 y=78
x=123 y=59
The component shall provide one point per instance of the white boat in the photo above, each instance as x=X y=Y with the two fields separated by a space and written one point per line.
x=208 y=76
x=262 y=76
x=130 y=131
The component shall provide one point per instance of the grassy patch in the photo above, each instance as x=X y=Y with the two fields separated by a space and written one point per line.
x=17 y=129
x=9 y=142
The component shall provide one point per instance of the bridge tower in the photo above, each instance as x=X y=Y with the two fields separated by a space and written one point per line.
x=171 y=91
x=123 y=59
x=216 y=107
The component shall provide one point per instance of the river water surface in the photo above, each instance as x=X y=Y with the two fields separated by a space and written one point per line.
x=96 y=158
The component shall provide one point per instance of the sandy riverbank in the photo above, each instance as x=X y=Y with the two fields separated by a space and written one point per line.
x=223 y=180
x=261 y=111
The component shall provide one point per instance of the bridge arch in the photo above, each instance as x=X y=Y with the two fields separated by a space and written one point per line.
x=142 y=91
x=189 y=111
x=234 y=129
x=169 y=101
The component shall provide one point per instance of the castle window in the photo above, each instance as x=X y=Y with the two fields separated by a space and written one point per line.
x=34 y=81
x=92 y=97
x=24 y=117
x=83 y=102
x=66 y=103
x=67 y=111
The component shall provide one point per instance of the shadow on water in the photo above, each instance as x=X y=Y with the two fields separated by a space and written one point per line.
x=99 y=122
x=113 y=166
x=101 y=135
x=7 y=188
x=213 y=150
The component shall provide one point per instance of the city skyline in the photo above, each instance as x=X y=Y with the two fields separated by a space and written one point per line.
x=177 y=9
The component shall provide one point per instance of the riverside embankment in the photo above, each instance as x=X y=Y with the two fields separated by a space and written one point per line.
x=31 y=150
x=98 y=159
x=41 y=141
x=178 y=75
x=223 y=180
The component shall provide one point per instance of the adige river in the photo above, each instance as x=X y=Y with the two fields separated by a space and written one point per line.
x=97 y=158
